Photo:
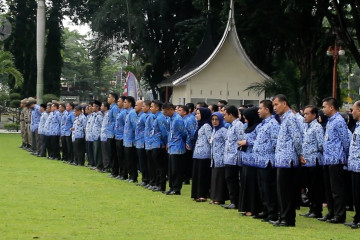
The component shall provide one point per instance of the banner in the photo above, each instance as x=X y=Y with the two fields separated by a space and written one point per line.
x=131 y=87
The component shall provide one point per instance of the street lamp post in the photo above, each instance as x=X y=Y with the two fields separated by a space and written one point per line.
x=335 y=53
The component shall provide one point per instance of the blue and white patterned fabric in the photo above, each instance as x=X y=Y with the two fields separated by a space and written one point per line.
x=120 y=123
x=217 y=142
x=69 y=123
x=289 y=142
x=89 y=127
x=158 y=134
x=177 y=135
x=43 y=118
x=202 y=148
x=265 y=143
x=47 y=124
x=129 y=128
x=64 y=116
x=148 y=128
x=140 y=130
x=190 y=126
x=247 y=157
x=301 y=121
x=55 y=122
x=35 y=118
x=312 y=146
x=113 y=111
x=234 y=134
x=79 y=127
x=336 y=142
x=103 y=132
x=96 y=128
x=354 y=152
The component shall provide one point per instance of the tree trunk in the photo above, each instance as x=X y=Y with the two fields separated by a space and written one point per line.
x=40 y=49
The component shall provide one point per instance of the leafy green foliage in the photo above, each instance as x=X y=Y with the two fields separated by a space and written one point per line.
x=49 y=97
x=12 y=126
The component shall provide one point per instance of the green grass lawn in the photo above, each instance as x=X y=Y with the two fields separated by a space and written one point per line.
x=47 y=199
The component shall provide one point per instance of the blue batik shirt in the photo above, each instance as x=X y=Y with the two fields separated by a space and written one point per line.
x=336 y=142
x=47 y=124
x=140 y=130
x=110 y=127
x=129 y=128
x=177 y=135
x=69 y=123
x=148 y=128
x=190 y=126
x=35 y=118
x=301 y=121
x=158 y=134
x=217 y=142
x=79 y=127
x=234 y=134
x=354 y=152
x=96 y=128
x=265 y=142
x=43 y=118
x=89 y=127
x=64 y=116
x=312 y=145
x=202 y=149
x=120 y=123
x=247 y=156
x=55 y=124
x=103 y=133
x=288 y=146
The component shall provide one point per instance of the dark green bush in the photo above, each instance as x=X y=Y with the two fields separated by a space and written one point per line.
x=49 y=97
x=15 y=96
x=15 y=103
x=12 y=126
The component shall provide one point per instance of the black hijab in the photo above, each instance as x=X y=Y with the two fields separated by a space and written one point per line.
x=252 y=117
x=205 y=118
x=324 y=119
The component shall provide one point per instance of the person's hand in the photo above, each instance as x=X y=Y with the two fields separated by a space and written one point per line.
x=188 y=147
x=241 y=143
x=302 y=160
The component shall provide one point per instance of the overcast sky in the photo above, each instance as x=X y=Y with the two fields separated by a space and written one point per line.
x=82 y=29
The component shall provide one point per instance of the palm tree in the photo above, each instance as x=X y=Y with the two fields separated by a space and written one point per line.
x=7 y=68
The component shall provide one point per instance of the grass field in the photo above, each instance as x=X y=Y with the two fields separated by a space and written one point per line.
x=47 y=199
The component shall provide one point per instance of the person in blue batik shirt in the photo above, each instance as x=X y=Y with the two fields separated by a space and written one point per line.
x=249 y=202
x=41 y=130
x=47 y=129
x=68 y=125
x=264 y=159
x=336 y=150
x=151 y=164
x=140 y=141
x=96 y=130
x=158 y=141
x=176 y=147
x=312 y=152
x=89 y=141
x=34 y=125
x=103 y=137
x=63 y=115
x=78 y=136
x=354 y=166
x=54 y=132
x=201 y=177
x=131 y=159
x=287 y=161
x=190 y=126
x=218 y=189
x=232 y=160
x=119 y=139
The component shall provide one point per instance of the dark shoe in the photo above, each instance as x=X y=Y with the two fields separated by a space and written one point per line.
x=34 y=153
x=355 y=226
x=336 y=220
x=141 y=184
x=325 y=218
x=305 y=214
x=174 y=193
x=132 y=181
x=230 y=206
x=167 y=192
x=260 y=216
x=268 y=219
x=283 y=223
x=186 y=182
x=156 y=189
x=314 y=215
x=349 y=224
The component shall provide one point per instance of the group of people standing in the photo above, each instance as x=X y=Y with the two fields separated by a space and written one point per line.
x=260 y=158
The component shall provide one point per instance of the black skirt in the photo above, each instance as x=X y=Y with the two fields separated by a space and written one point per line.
x=219 y=192
x=201 y=177
x=249 y=200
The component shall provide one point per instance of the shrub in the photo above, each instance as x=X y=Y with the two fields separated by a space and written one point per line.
x=12 y=126
x=49 y=97
x=15 y=96
x=15 y=103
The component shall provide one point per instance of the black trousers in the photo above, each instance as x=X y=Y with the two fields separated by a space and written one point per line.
x=131 y=162
x=151 y=168
x=42 y=152
x=64 y=151
x=69 y=148
x=287 y=192
x=105 y=155
x=90 y=152
x=232 y=182
x=313 y=180
x=267 y=187
x=113 y=157
x=97 y=154
x=35 y=145
x=334 y=183
x=159 y=156
x=55 y=147
x=176 y=171
x=79 y=151
x=121 y=159
x=188 y=162
x=142 y=156
x=356 y=195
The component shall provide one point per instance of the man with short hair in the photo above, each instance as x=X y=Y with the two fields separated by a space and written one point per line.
x=88 y=135
x=110 y=150
x=63 y=114
x=41 y=130
x=34 y=125
x=24 y=136
x=78 y=136
x=105 y=106
x=54 y=132
x=96 y=130
x=119 y=138
x=336 y=151
x=67 y=132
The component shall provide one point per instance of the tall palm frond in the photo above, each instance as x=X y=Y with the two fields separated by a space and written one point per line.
x=7 y=68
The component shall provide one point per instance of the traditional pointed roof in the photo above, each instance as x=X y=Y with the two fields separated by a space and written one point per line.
x=230 y=32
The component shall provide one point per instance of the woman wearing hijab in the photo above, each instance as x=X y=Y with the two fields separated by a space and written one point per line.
x=249 y=201
x=218 y=192
x=201 y=176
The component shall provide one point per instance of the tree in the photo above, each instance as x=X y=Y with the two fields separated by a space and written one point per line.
x=8 y=69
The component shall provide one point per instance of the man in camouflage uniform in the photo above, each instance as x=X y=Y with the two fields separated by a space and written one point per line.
x=22 y=123
x=27 y=119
